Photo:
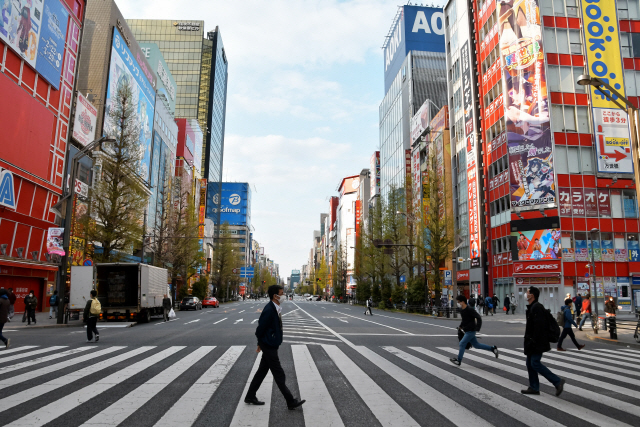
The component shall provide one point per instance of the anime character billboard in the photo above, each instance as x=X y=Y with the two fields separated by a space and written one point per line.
x=536 y=245
x=526 y=106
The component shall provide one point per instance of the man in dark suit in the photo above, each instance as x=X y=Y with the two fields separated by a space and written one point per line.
x=269 y=334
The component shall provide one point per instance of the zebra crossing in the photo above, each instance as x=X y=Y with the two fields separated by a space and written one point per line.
x=302 y=329
x=96 y=386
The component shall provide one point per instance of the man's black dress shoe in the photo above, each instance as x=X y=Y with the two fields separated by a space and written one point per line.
x=295 y=404
x=253 y=401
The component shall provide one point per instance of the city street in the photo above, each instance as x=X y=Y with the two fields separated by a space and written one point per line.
x=388 y=369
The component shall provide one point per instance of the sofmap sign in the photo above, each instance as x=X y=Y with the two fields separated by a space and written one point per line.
x=604 y=61
x=417 y=28
x=234 y=205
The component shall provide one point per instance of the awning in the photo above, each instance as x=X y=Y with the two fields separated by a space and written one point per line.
x=31 y=265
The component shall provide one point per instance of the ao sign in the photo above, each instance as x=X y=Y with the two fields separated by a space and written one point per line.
x=419 y=28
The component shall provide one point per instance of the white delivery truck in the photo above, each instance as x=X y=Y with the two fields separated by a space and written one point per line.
x=127 y=291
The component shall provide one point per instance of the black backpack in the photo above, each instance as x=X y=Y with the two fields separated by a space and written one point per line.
x=553 y=329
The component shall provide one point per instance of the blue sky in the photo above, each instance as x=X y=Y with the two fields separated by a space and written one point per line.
x=305 y=82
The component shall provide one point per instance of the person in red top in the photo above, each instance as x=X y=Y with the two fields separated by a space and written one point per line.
x=586 y=309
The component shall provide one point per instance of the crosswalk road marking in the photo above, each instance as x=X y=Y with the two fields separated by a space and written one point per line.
x=320 y=410
x=110 y=380
x=186 y=410
x=119 y=411
x=221 y=320
x=254 y=415
x=584 y=392
x=16 y=349
x=386 y=410
x=58 y=408
x=32 y=393
x=496 y=401
x=559 y=404
x=31 y=353
x=450 y=409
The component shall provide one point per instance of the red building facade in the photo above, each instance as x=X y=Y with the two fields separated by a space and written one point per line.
x=586 y=198
x=34 y=118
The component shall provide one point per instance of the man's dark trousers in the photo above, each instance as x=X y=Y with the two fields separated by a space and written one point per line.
x=270 y=361
x=91 y=327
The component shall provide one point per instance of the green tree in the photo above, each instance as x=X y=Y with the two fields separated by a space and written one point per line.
x=226 y=258
x=119 y=196
x=200 y=288
x=395 y=231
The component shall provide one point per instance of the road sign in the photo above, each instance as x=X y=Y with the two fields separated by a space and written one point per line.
x=403 y=279
x=448 y=278
x=235 y=271
x=246 y=272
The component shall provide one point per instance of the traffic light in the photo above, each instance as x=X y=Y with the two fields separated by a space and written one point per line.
x=318 y=279
x=264 y=281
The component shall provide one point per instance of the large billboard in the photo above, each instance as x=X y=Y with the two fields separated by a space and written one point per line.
x=420 y=121
x=235 y=204
x=84 y=123
x=416 y=28
x=165 y=83
x=124 y=69
x=604 y=61
x=536 y=245
x=36 y=31
x=526 y=106
x=475 y=244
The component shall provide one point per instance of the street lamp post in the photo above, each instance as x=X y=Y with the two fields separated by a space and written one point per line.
x=587 y=80
x=593 y=276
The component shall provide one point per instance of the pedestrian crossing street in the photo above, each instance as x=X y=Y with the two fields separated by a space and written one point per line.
x=344 y=385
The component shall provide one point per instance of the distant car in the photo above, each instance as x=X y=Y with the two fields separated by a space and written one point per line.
x=191 y=303
x=210 y=302
x=306 y=295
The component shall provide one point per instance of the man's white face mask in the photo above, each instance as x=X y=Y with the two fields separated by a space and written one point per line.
x=282 y=298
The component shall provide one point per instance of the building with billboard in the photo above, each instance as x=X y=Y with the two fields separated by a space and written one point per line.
x=37 y=82
x=198 y=62
x=234 y=210
x=551 y=158
x=414 y=70
x=346 y=225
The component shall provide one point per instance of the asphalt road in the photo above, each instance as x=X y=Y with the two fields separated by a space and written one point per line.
x=388 y=369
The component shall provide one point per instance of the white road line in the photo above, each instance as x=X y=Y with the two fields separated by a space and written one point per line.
x=628 y=350
x=513 y=409
x=123 y=408
x=321 y=333
x=302 y=337
x=415 y=321
x=15 y=349
x=589 y=382
x=49 y=358
x=289 y=312
x=103 y=326
x=337 y=335
x=404 y=335
x=31 y=353
x=447 y=407
x=319 y=410
x=241 y=311
x=583 y=392
x=302 y=342
x=221 y=320
x=609 y=365
x=609 y=357
x=384 y=408
x=239 y=320
x=573 y=365
x=371 y=321
x=186 y=410
x=254 y=321
x=615 y=355
x=254 y=415
x=39 y=390
x=547 y=399
x=58 y=408
x=193 y=321
x=10 y=382
x=304 y=328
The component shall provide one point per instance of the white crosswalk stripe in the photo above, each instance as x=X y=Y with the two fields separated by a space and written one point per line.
x=122 y=384
x=15 y=350
x=622 y=356
x=31 y=353
x=186 y=410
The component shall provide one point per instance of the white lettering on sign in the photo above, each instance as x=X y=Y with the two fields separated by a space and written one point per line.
x=147 y=51
x=164 y=77
x=392 y=46
x=421 y=23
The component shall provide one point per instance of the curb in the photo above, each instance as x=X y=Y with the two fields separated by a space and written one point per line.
x=603 y=340
x=42 y=326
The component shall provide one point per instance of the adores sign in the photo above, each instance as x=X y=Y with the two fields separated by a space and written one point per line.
x=537 y=268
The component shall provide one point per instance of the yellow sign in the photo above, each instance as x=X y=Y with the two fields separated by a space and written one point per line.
x=602 y=44
x=616 y=142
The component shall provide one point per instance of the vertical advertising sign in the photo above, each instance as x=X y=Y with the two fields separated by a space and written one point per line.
x=125 y=70
x=201 y=211
x=375 y=174
x=415 y=177
x=526 y=107
x=604 y=61
x=358 y=217
x=84 y=124
x=472 y=154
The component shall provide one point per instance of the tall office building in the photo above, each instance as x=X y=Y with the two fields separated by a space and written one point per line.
x=414 y=70
x=198 y=62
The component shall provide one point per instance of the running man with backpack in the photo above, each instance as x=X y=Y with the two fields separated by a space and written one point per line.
x=566 y=319
x=470 y=324
x=91 y=313
x=541 y=329
x=488 y=303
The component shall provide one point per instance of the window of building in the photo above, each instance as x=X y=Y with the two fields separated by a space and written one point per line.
x=568 y=118
x=628 y=9
x=629 y=204
x=560 y=164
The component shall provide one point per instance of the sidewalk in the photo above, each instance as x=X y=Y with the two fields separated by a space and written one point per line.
x=42 y=321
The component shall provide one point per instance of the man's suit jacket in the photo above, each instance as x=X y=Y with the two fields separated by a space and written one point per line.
x=269 y=330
